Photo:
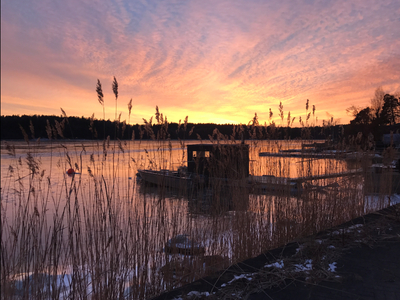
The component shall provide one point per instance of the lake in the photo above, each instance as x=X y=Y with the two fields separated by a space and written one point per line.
x=101 y=232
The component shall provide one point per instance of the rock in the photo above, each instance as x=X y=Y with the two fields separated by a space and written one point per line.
x=181 y=244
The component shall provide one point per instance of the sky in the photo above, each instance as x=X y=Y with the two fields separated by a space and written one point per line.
x=218 y=61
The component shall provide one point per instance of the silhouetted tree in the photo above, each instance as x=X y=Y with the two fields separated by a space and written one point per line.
x=377 y=102
x=385 y=112
x=363 y=117
x=390 y=110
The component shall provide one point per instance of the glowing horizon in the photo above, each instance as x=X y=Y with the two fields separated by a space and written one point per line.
x=213 y=61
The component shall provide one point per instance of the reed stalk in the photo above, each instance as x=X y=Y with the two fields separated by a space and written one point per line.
x=101 y=235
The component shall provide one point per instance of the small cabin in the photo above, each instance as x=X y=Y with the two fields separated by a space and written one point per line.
x=229 y=161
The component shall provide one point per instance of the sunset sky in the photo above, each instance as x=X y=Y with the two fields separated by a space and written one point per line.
x=215 y=61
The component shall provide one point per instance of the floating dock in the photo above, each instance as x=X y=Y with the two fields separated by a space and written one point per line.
x=293 y=185
x=326 y=176
x=305 y=154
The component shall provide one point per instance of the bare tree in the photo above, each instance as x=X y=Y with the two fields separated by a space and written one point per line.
x=353 y=110
x=377 y=102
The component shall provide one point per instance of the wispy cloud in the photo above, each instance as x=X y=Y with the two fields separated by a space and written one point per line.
x=216 y=61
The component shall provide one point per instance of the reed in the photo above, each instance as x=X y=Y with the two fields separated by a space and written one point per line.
x=100 y=234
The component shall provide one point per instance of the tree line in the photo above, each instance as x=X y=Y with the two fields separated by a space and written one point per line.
x=381 y=117
x=384 y=110
x=62 y=127
x=382 y=114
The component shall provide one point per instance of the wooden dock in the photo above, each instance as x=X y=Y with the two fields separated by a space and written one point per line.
x=292 y=185
x=326 y=176
x=303 y=154
x=257 y=184
x=316 y=146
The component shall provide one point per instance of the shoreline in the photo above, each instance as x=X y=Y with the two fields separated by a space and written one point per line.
x=354 y=260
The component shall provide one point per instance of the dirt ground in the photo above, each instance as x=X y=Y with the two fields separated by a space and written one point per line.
x=356 y=260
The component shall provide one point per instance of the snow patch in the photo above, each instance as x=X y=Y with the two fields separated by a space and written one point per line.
x=237 y=277
x=278 y=265
x=332 y=267
x=307 y=266
x=198 y=294
x=348 y=229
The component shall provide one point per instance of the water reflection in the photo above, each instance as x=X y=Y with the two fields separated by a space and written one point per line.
x=109 y=228
x=211 y=200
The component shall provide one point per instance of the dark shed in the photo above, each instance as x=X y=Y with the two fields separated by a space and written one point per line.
x=219 y=160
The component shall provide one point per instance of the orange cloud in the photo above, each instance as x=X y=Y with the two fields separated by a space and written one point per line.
x=213 y=61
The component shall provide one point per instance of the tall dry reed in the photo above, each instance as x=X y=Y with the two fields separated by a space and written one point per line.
x=100 y=235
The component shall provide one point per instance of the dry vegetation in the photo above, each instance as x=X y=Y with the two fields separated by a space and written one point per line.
x=100 y=235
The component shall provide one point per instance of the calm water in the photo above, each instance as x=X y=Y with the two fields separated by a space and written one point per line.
x=149 y=216
x=118 y=163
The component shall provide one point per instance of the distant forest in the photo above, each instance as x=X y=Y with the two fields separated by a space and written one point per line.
x=61 y=127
